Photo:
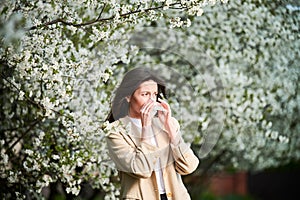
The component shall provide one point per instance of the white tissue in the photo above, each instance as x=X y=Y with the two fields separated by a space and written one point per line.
x=155 y=109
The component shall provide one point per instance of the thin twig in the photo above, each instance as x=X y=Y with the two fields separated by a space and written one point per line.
x=30 y=100
x=99 y=17
x=26 y=97
x=23 y=134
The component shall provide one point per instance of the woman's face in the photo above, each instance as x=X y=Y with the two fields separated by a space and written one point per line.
x=145 y=91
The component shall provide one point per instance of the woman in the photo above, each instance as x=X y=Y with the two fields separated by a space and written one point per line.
x=144 y=140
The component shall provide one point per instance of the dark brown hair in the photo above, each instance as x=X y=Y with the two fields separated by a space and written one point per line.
x=131 y=81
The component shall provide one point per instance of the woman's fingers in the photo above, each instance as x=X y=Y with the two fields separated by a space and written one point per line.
x=165 y=105
x=149 y=108
x=145 y=113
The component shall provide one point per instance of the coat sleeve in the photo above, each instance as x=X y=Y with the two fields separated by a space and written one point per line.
x=186 y=161
x=137 y=160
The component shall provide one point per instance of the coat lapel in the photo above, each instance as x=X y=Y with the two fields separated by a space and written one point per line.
x=134 y=132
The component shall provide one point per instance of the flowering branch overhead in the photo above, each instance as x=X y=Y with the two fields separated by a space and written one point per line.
x=107 y=19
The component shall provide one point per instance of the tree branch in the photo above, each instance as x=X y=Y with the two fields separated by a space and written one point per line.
x=99 y=19
x=211 y=163
x=30 y=100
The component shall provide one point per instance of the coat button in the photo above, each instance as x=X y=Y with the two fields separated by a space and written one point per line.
x=169 y=194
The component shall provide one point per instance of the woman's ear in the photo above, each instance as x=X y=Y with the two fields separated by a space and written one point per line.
x=127 y=99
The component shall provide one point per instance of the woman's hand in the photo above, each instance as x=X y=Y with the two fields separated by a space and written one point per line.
x=166 y=118
x=166 y=114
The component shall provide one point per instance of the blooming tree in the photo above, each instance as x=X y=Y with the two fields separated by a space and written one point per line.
x=240 y=81
x=57 y=61
x=231 y=69
x=240 y=69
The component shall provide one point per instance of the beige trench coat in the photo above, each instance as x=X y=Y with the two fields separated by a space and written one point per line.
x=135 y=161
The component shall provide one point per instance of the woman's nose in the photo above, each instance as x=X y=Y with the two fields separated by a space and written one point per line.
x=153 y=97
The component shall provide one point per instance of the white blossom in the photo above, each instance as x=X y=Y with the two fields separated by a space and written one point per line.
x=55 y=157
